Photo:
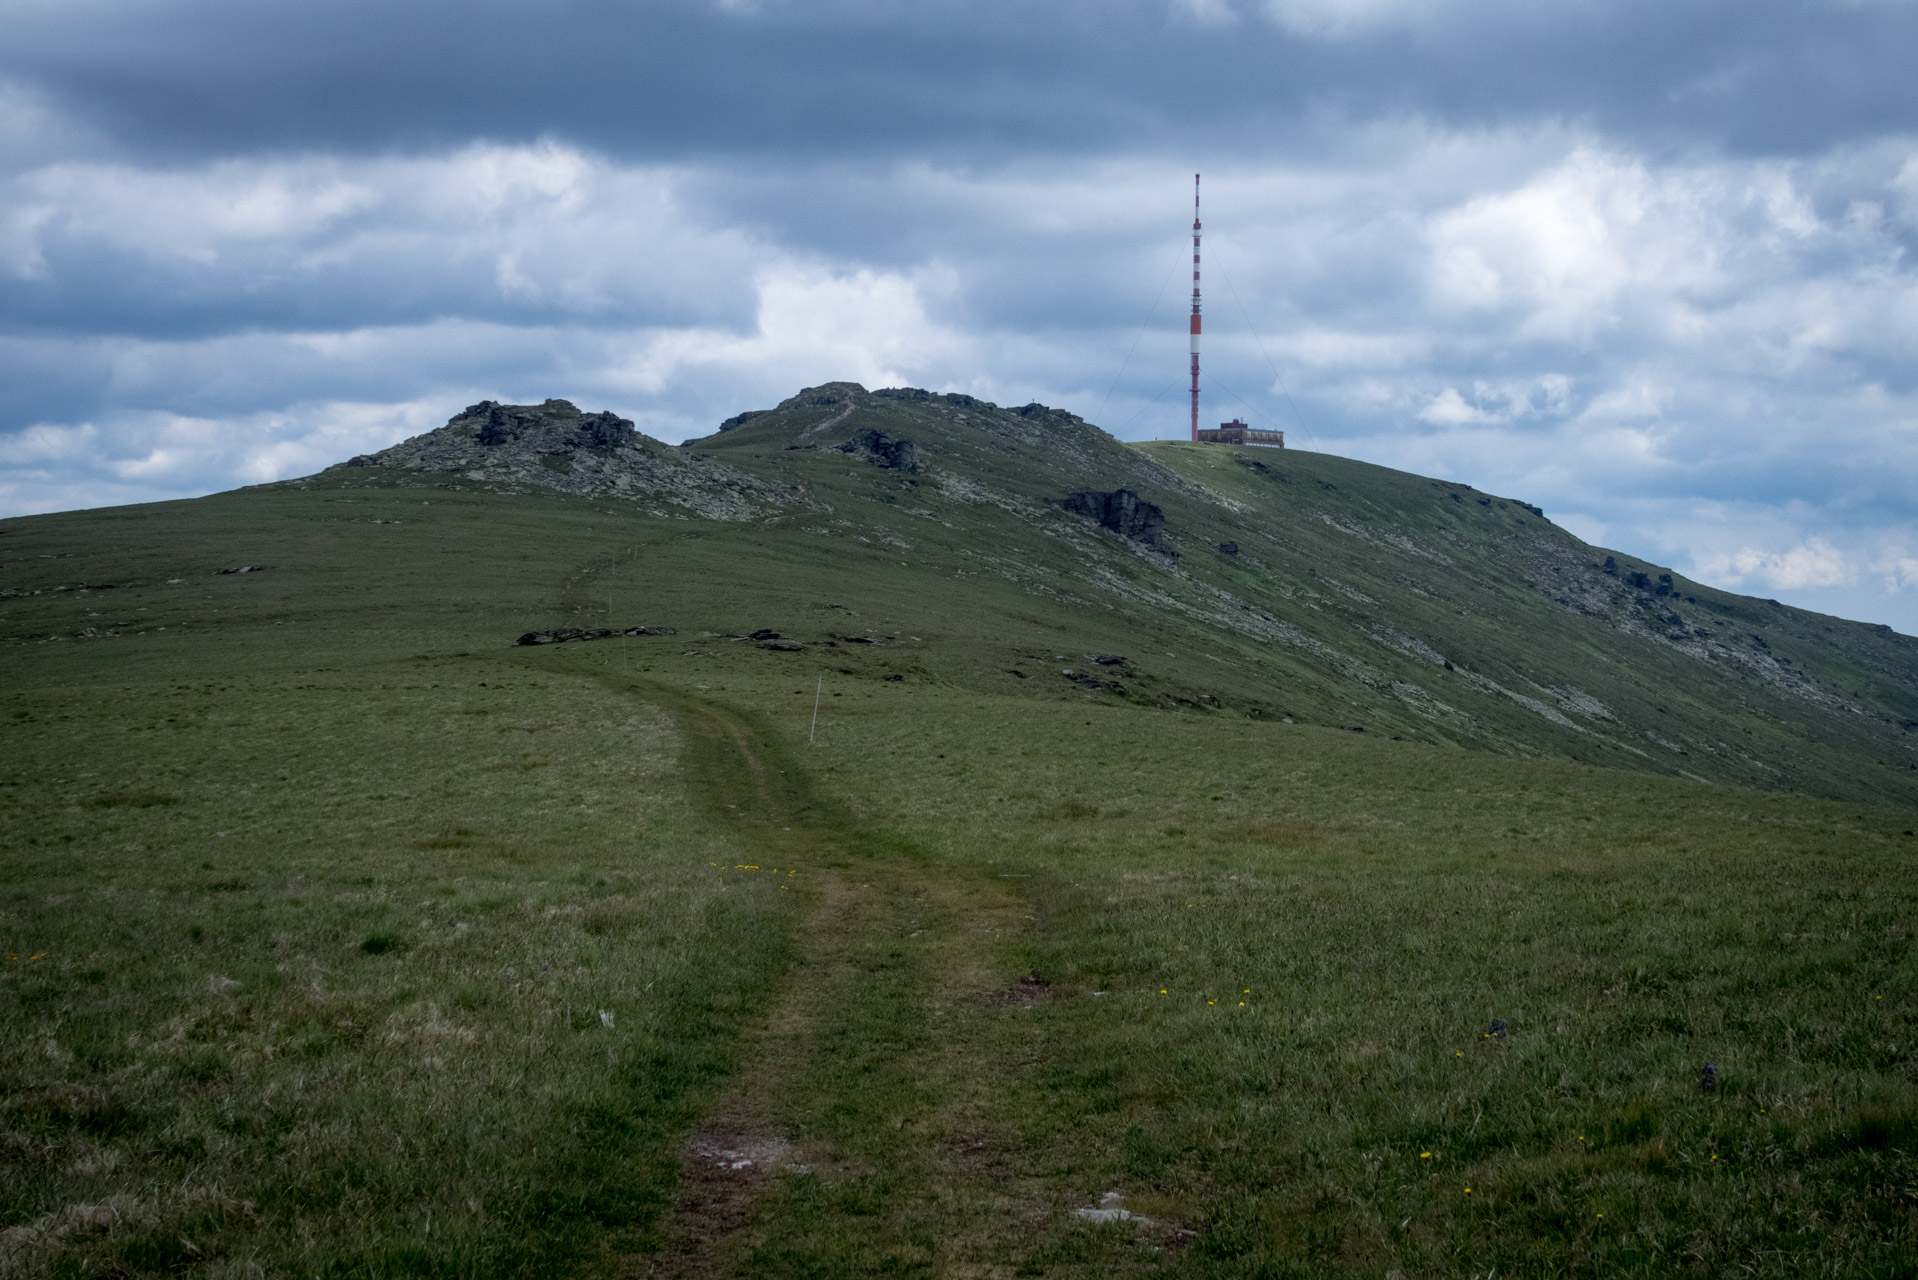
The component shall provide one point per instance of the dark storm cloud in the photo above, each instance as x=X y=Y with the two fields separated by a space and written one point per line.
x=950 y=80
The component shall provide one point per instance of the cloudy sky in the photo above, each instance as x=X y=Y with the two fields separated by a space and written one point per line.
x=1646 y=263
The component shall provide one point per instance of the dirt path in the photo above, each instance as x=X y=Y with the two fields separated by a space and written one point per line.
x=861 y=1071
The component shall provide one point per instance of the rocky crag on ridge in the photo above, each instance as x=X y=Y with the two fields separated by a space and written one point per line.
x=555 y=446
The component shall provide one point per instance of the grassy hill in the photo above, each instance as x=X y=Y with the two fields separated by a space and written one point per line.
x=1357 y=596
x=346 y=936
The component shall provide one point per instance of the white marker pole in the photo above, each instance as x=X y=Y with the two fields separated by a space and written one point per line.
x=815 y=711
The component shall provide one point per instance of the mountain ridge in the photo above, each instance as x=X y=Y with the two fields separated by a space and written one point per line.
x=1429 y=536
x=1234 y=580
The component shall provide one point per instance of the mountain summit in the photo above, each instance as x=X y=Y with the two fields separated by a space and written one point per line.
x=555 y=446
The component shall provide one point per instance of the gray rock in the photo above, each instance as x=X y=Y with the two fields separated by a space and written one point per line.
x=741 y=419
x=561 y=635
x=1091 y=682
x=882 y=450
x=1124 y=512
x=556 y=425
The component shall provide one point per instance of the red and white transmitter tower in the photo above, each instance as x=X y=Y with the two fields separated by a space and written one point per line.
x=1195 y=308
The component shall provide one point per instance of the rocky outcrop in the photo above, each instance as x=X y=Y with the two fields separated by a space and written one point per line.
x=1091 y=683
x=1124 y=512
x=553 y=427
x=565 y=635
x=555 y=446
x=741 y=419
x=882 y=450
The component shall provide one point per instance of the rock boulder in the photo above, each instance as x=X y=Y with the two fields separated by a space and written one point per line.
x=1124 y=512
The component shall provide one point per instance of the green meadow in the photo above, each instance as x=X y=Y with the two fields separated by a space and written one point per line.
x=346 y=938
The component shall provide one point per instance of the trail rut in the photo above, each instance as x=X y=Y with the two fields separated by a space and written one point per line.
x=895 y=950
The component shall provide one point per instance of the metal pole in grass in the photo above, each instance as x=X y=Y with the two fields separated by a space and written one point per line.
x=815 y=711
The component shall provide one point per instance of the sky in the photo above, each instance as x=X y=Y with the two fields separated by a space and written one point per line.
x=1648 y=264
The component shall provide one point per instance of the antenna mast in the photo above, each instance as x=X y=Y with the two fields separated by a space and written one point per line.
x=1195 y=307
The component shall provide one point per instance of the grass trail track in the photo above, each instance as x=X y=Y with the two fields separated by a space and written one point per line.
x=868 y=1074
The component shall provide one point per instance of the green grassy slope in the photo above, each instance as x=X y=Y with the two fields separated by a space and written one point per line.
x=1359 y=596
x=312 y=902
x=1271 y=979
x=314 y=888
